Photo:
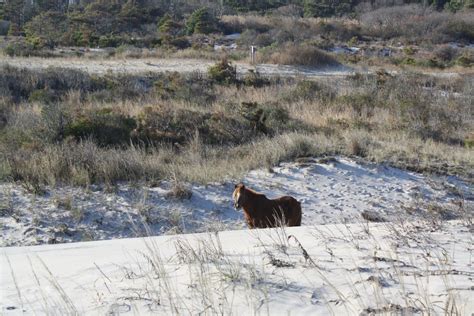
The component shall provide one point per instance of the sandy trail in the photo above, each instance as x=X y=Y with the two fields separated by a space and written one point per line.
x=159 y=65
x=154 y=65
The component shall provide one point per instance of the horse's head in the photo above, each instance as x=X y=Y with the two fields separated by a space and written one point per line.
x=239 y=195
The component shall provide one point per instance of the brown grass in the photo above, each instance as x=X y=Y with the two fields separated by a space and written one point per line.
x=301 y=55
x=405 y=120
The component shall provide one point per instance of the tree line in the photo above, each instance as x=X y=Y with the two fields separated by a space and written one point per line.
x=113 y=22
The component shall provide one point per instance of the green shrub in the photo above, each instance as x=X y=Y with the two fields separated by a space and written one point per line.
x=179 y=42
x=265 y=119
x=5 y=110
x=42 y=96
x=192 y=89
x=223 y=72
x=252 y=78
x=14 y=29
x=465 y=60
x=408 y=61
x=254 y=113
x=310 y=90
x=276 y=117
x=361 y=104
x=410 y=51
x=179 y=126
x=109 y=41
x=19 y=48
x=469 y=141
x=104 y=126
x=446 y=53
x=353 y=41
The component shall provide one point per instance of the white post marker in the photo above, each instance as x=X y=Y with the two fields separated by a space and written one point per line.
x=253 y=50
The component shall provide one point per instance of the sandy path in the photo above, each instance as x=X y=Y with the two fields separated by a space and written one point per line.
x=136 y=66
x=157 y=65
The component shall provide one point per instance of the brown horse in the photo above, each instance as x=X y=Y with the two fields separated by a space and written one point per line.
x=261 y=212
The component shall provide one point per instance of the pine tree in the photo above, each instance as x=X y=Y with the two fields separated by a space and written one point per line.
x=168 y=28
x=318 y=8
x=47 y=29
x=201 y=21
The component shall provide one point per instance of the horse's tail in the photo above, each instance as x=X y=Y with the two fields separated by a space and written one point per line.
x=300 y=213
x=297 y=213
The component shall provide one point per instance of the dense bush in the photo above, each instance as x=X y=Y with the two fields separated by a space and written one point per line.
x=191 y=89
x=466 y=59
x=104 y=126
x=416 y=23
x=267 y=119
x=110 y=41
x=223 y=72
x=302 y=55
x=178 y=126
x=254 y=79
x=44 y=96
x=19 y=48
x=446 y=53
x=309 y=91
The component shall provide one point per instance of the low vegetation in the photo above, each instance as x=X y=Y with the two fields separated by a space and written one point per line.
x=64 y=126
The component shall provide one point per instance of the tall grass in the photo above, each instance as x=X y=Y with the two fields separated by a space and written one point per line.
x=169 y=130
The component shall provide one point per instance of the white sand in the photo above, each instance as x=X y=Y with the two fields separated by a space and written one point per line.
x=413 y=263
x=350 y=270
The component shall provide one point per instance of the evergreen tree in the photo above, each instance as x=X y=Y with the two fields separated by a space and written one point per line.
x=133 y=14
x=47 y=29
x=327 y=8
x=201 y=21
x=317 y=8
x=168 y=28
